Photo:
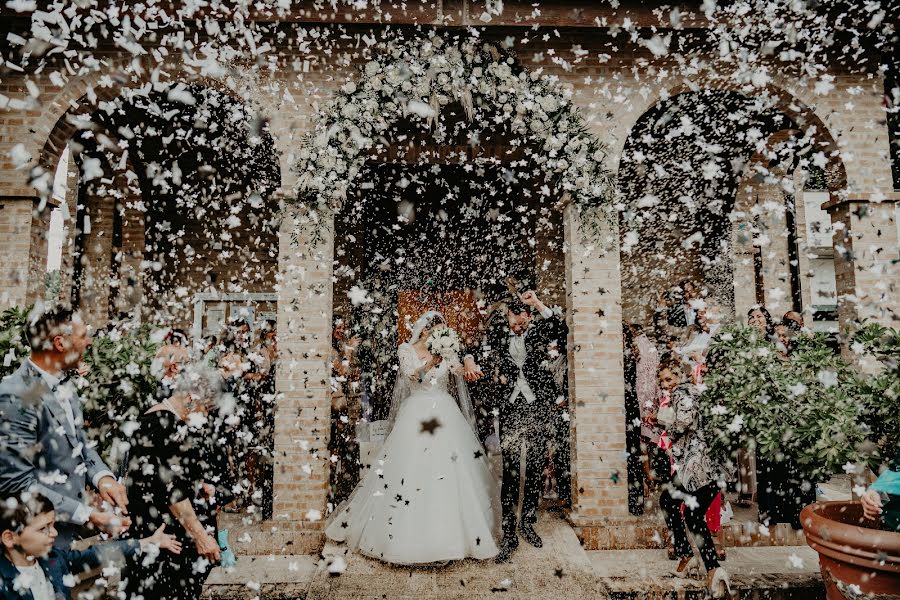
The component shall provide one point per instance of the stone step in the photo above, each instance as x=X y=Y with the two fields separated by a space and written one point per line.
x=561 y=570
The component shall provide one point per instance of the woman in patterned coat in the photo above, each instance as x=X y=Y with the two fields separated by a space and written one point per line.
x=696 y=477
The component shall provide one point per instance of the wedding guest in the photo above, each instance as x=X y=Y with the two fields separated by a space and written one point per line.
x=31 y=567
x=175 y=480
x=656 y=463
x=682 y=312
x=780 y=483
x=343 y=446
x=748 y=487
x=695 y=478
x=234 y=364
x=787 y=331
x=485 y=391
x=881 y=502
x=42 y=432
x=632 y=421
x=211 y=351
x=695 y=353
x=167 y=363
x=706 y=326
x=760 y=319
x=176 y=337
x=793 y=320
x=560 y=444
x=647 y=362
x=261 y=386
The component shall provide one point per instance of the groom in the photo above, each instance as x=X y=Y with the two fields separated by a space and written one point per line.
x=516 y=355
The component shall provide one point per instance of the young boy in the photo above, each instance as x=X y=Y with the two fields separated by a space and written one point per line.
x=31 y=569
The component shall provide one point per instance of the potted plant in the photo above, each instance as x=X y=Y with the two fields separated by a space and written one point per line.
x=829 y=417
x=856 y=558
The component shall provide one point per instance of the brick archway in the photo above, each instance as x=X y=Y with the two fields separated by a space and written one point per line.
x=306 y=305
x=80 y=114
x=788 y=103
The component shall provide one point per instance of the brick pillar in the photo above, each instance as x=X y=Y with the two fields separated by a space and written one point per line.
x=37 y=253
x=67 y=264
x=773 y=244
x=596 y=385
x=96 y=261
x=16 y=214
x=303 y=414
x=866 y=257
x=744 y=251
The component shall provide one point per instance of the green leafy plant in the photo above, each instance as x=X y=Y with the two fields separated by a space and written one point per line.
x=814 y=407
x=879 y=392
x=14 y=347
x=118 y=386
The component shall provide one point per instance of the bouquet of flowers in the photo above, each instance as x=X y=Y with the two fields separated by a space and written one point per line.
x=445 y=342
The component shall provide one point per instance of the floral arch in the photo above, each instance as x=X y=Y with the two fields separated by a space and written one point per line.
x=412 y=80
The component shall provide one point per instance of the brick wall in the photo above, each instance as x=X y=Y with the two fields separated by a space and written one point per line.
x=613 y=96
x=15 y=248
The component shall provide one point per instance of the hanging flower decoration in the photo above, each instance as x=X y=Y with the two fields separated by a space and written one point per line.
x=411 y=82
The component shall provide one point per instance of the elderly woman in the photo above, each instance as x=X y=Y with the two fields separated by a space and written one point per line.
x=173 y=473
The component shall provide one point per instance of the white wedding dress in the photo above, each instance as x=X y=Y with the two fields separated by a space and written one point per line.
x=429 y=496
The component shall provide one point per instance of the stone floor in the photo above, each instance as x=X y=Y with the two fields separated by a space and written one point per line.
x=630 y=573
x=560 y=570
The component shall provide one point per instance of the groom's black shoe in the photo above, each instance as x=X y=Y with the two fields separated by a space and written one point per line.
x=507 y=547
x=530 y=535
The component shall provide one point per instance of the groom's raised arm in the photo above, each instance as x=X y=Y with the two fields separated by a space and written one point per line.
x=553 y=327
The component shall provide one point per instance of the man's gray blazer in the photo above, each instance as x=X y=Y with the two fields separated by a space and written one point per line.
x=38 y=448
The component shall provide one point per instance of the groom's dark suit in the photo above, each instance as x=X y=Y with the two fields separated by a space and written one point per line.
x=532 y=420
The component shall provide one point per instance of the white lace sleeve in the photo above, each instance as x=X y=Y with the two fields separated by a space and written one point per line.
x=409 y=361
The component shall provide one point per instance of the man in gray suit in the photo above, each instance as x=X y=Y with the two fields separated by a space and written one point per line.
x=43 y=447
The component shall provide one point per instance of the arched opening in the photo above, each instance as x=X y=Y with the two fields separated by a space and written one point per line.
x=447 y=216
x=723 y=195
x=170 y=211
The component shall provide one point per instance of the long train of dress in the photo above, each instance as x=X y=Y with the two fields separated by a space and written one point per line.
x=430 y=495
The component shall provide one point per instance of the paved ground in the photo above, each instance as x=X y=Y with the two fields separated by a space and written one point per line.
x=560 y=570
x=770 y=568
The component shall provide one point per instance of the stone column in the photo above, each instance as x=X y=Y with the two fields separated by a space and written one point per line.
x=596 y=385
x=67 y=264
x=303 y=413
x=37 y=252
x=773 y=244
x=866 y=257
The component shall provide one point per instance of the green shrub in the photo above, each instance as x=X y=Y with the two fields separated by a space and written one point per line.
x=826 y=414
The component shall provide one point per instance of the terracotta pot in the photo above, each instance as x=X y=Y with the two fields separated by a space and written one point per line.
x=852 y=551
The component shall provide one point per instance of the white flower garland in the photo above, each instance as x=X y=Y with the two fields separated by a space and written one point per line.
x=412 y=80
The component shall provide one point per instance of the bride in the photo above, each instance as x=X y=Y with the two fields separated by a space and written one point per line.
x=430 y=496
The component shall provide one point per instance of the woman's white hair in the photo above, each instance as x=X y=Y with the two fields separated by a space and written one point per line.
x=201 y=383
